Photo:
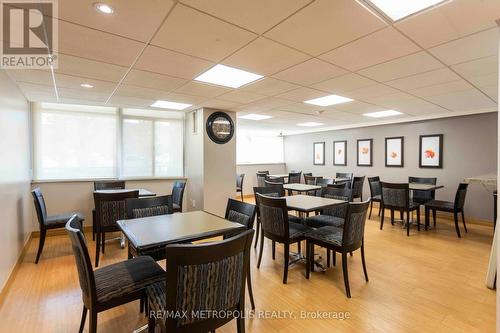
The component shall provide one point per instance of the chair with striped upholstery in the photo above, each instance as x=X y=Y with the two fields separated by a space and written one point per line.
x=375 y=193
x=323 y=182
x=202 y=279
x=105 y=185
x=261 y=179
x=178 y=195
x=110 y=286
x=357 y=187
x=333 y=216
x=397 y=197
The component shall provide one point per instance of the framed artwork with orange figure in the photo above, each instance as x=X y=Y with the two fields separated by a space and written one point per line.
x=319 y=153
x=365 y=152
x=394 y=152
x=431 y=151
x=340 y=153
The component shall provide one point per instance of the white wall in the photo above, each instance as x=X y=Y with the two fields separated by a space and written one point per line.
x=250 y=171
x=193 y=160
x=15 y=200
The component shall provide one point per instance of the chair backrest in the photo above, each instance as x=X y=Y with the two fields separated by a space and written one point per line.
x=339 y=185
x=264 y=172
x=344 y=175
x=152 y=206
x=270 y=191
x=423 y=196
x=374 y=183
x=324 y=182
x=261 y=179
x=109 y=185
x=310 y=180
x=82 y=258
x=307 y=174
x=339 y=194
x=270 y=181
x=206 y=278
x=294 y=177
x=357 y=186
x=273 y=217
x=110 y=207
x=460 y=196
x=354 y=225
x=41 y=209
x=395 y=195
x=239 y=180
x=178 y=192
x=240 y=212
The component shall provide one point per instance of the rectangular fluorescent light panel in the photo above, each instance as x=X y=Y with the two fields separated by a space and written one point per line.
x=170 y=105
x=310 y=124
x=254 y=116
x=398 y=9
x=381 y=114
x=227 y=76
x=328 y=100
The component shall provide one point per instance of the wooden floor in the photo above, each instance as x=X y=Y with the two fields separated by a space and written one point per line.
x=428 y=282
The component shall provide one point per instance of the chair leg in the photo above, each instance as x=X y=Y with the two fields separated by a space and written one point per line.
x=371 y=207
x=93 y=322
x=401 y=215
x=41 y=242
x=141 y=305
x=274 y=249
x=249 y=285
x=455 y=217
x=418 y=219
x=240 y=322
x=426 y=218
x=261 y=249
x=363 y=260
x=151 y=324
x=257 y=229
x=103 y=241
x=380 y=208
x=346 y=275
x=408 y=223
x=382 y=219
x=84 y=316
x=328 y=258
x=308 y=259
x=334 y=258
x=286 y=259
x=97 y=248
x=93 y=225
x=392 y=216
x=434 y=217
x=463 y=221
x=242 y=195
x=299 y=247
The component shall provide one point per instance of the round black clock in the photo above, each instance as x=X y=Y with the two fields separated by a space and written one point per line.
x=220 y=127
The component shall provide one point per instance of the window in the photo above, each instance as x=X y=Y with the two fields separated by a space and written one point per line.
x=82 y=142
x=258 y=147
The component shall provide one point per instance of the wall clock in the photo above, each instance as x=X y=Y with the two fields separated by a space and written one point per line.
x=220 y=127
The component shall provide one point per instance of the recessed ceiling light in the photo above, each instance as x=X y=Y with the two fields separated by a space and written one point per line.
x=381 y=114
x=254 y=116
x=328 y=100
x=399 y=9
x=170 y=105
x=227 y=76
x=310 y=124
x=86 y=85
x=104 y=8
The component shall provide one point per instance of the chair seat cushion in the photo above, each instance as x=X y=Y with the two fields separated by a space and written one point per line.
x=60 y=220
x=294 y=219
x=377 y=197
x=324 y=220
x=156 y=296
x=126 y=277
x=331 y=235
x=440 y=204
x=297 y=230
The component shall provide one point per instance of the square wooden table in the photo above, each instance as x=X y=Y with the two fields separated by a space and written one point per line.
x=308 y=203
x=142 y=191
x=424 y=187
x=301 y=187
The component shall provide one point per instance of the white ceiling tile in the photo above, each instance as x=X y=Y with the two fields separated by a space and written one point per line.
x=241 y=96
x=184 y=98
x=220 y=104
x=141 y=92
x=202 y=89
x=268 y=103
x=302 y=94
x=430 y=78
x=153 y=80
x=309 y=72
x=188 y=31
x=265 y=57
x=450 y=21
x=403 y=102
x=441 y=89
x=118 y=100
x=356 y=107
x=43 y=77
x=345 y=116
x=302 y=108
x=325 y=25
x=92 y=44
x=74 y=82
x=344 y=83
x=401 y=67
x=478 y=67
x=491 y=91
x=370 y=50
x=269 y=86
x=472 y=47
x=76 y=66
x=88 y=96
x=370 y=91
x=255 y=15
x=36 y=89
x=161 y=61
x=468 y=100
x=484 y=80
x=127 y=20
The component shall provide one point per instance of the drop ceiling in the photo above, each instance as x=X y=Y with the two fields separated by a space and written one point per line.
x=440 y=62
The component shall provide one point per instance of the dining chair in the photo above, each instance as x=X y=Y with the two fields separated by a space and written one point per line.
x=243 y=213
x=276 y=227
x=333 y=216
x=343 y=240
x=239 y=183
x=308 y=174
x=145 y=207
x=261 y=179
x=341 y=185
x=48 y=222
x=294 y=177
x=397 y=197
x=202 y=279
x=455 y=207
x=357 y=187
x=375 y=193
x=310 y=180
x=423 y=196
x=323 y=182
x=110 y=286
x=347 y=175
x=178 y=195
x=265 y=172
x=270 y=181
x=105 y=185
x=109 y=207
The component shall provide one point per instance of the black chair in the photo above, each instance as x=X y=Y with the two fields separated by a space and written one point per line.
x=357 y=188
x=397 y=197
x=178 y=195
x=347 y=175
x=310 y=180
x=454 y=207
x=105 y=185
x=333 y=216
x=341 y=185
x=48 y=222
x=344 y=240
x=294 y=177
x=423 y=196
x=109 y=208
x=271 y=181
x=113 y=285
x=239 y=183
x=144 y=207
x=276 y=226
x=243 y=213
x=308 y=174
x=261 y=179
x=202 y=278
x=375 y=193
x=323 y=182
x=265 y=172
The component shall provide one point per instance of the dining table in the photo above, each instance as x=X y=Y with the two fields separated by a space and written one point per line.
x=301 y=188
x=142 y=191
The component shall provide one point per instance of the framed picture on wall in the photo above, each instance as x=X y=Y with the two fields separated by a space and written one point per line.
x=365 y=152
x=340 y=153
x=431 y=151
x=394 y=152
x=319 y=153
